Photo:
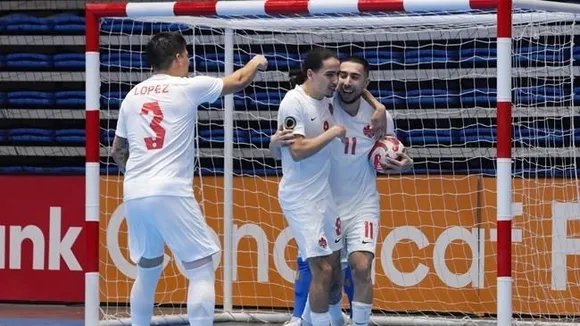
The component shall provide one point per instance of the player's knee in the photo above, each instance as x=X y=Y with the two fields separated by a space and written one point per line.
x=321 y=269
x=150 y=262
x=361 y=268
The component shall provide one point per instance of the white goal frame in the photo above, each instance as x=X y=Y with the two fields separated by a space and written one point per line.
x=267 y=8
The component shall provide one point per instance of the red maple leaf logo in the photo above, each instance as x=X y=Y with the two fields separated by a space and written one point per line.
x=367 y=131
x=322 y=243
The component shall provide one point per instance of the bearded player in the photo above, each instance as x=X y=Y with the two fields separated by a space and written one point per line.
x=358 y=204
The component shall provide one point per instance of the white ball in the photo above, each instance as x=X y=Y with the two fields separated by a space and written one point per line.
x=387 y=147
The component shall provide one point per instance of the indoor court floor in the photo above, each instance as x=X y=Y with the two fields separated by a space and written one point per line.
x=49 y=315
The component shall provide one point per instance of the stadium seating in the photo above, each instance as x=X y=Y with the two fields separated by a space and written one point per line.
x=423 y=98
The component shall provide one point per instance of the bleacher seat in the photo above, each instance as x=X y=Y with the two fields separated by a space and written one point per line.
x=69 y=61
x=3 y=136
x=30 y=135
x=477 y=134
x=2 y=61
x=67 y=23
x=576 y=54
x=70 y=136
x=70 y=99
x=576 y=95
x=478 y=55
x=259 y=100
x=431 y=56
x=128 y=26
x=539 y=95
x=261 y=137
x=389 y=98
x=478 y=97
x=427 y=98
x=215 y=61
x=3 y=24
x=540 y=55
x=112 y=100
x=28 y=61
x=30 y=99
x=107 y=136
x=127 y=60
x=283 y=61
x=22 y=23
x=379 y=57
x=426 y=136
x=538 y=137
x=3 y=98
x=209 y=136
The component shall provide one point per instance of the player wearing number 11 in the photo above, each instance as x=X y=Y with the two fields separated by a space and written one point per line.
x=154 y=148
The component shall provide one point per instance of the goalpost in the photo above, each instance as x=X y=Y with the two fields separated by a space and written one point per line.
x=477 y=233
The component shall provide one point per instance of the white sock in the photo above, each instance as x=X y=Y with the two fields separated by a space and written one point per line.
x=320 y=319
x=201 y=295
x=335 y=311
x=361 y=313
x=143 y=295
x=306 y=314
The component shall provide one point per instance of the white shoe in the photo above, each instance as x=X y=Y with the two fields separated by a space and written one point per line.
x=295 y=321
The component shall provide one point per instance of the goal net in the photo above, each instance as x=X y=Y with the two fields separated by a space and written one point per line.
x=437 y=73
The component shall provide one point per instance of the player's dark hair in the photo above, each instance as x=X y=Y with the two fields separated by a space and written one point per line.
x=361 y=61
x=162 y=48
x=313 y=61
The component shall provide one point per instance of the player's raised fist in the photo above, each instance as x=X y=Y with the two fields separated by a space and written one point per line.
x=261 y=62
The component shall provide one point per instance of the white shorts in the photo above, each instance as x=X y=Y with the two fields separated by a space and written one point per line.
x=175 y=221
x=316 y=227
x=360 y=234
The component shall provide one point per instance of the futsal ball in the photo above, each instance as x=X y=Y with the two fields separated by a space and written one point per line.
x=386 y=147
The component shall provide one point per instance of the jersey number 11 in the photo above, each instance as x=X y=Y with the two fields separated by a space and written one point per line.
x=350 y=142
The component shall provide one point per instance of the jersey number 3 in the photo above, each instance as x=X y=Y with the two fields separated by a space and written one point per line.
x=157 y=141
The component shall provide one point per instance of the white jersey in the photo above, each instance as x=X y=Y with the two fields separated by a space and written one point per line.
x=158 y=118
x=305 y=180
x=353 y=178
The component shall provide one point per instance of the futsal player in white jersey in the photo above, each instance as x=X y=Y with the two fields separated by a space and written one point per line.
x=304 y=193
x=358 y=203
x=154 y=148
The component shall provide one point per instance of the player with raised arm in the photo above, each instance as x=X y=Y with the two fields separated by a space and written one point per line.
x=154 y=148
x=357 y=203
x=304 y=193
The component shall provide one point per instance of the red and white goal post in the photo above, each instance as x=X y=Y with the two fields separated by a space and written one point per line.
x=478 y=232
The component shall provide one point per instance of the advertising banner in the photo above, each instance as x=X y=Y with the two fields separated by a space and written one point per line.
x=435 y=251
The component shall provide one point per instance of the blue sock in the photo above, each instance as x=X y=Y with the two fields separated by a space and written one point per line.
x=301 y=287
x=348 y=287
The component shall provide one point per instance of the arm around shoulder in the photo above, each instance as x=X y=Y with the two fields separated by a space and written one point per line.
x=303 y=148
